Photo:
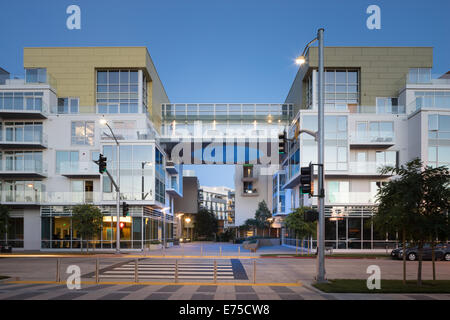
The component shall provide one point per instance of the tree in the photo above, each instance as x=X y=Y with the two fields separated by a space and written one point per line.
x=296 y=222
x=205 y=224
x=87 y=221
x=416 y=203
x=4 y=222
x=435 y=206
x=262 y=215
x=252 y=224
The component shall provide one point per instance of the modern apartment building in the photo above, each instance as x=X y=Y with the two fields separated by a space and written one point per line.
x=217 y=200
x=51 y=132
x=382 y=107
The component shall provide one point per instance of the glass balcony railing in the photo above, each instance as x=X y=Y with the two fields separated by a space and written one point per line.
x=372 y=137
x=23 y=166
x=77 y=168
x=32 y=78
x=227 y=111
x=23 y=139
x=357 y=198
x=369 y=167
x=29 y=195
x=128 y=134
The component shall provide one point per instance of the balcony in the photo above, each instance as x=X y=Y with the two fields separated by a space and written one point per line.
x=348 y=198
x=173 y=189
x=127 y=134
x=171 y=168
x=20 y=168
x=8 y=141
x=79 y=170
x=32 y=111
x=377 y=139
x=367 y=168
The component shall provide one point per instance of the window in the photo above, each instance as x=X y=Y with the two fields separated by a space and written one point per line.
x=432 y=99
x=381 y=131
x=36 y=75
x=21 y=161
x=341 y=89
x=438 y=140
x=68 y=105
x=419 y=75
x=83 y=132
x=386 y=158
x=23 y=131
x=66 y=161
x=387 y=105
x=338 y=191
x=31 y=101
x=117 y=91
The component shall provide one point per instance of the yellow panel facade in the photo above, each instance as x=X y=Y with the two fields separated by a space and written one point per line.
x=383 y=70
x=74 y=70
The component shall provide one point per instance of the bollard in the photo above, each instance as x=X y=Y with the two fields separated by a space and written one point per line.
x=302 y=245
x=215 y=271
x=201 y=250
x=296 y=246
x=220 y=250
x=58 y=267
x=239 y=251
x=176 y=271
x=136 y=272
x=96 y=271
x=254 y=271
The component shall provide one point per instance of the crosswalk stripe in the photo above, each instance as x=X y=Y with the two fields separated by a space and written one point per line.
x=186 y=270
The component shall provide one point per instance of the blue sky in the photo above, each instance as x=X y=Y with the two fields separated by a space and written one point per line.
x=227 y=50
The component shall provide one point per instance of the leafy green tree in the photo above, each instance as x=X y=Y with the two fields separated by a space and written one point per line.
x=262 y=215
x=415 y=203
x=87 y=221
x=4 y=222
x=435 y=206
x=205 y=224
x=296 y=222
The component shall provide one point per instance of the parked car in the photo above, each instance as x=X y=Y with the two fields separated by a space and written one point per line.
x=395 y=253
x=446 y=252
x=412 y=254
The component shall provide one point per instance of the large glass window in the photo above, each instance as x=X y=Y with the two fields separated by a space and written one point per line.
x=23 y=131
x=66 y=161
x=36 y=75
x=136 y=172
x=68 y=105
x=31 y=101
x=336 y=153
x=387 y=105
x=83 y=132
x=341 y=89
x=432 y=99
x=117 y=91
x=419 y=75
x=438 y=140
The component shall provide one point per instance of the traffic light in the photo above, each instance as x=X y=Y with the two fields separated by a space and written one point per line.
x=101 y=163
x=125 y=209
x=311 y=216
x=307 y=180
x=282 y=142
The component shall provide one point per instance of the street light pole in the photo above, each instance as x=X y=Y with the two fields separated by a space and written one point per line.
x=321 y=147
x=319 y=137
